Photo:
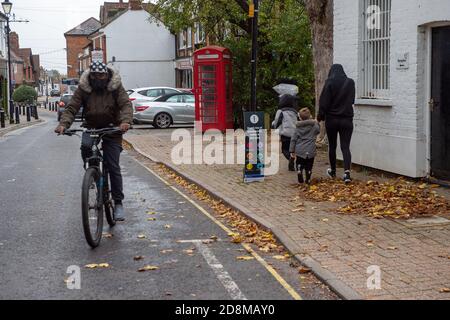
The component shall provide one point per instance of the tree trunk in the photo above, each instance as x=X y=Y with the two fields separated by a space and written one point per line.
x=320 y=14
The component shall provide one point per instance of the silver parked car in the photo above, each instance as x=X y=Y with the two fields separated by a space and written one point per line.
x=176 y=108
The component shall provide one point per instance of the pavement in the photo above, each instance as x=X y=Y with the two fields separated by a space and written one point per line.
x=23 y=123
x=345 y=251
x=189 y=254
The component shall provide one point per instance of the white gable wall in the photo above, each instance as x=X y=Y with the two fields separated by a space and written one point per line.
x=393 y=137
x=144 y=52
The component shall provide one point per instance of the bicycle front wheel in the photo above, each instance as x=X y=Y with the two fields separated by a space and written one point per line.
x=109 y=207
x=92 y=207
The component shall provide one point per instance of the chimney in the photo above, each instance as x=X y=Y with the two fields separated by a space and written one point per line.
x=135 y=5
x=14 y=41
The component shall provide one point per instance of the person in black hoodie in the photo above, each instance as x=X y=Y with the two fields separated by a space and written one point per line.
x=336 y=109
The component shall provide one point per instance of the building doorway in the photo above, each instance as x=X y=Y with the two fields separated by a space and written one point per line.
x=440 y=103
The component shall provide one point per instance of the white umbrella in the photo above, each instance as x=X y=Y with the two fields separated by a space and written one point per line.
x=284 y=88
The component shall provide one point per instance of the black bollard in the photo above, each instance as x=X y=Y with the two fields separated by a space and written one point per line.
x=23 y=110
x=36 y=115
x=28 y=114
x=11 y=112
x=2 y=118
x=17 y=115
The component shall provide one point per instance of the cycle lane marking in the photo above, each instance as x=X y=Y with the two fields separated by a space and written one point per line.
x=224 y=277
x=292 y=292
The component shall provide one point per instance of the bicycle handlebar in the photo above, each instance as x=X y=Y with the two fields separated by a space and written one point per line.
x=104 y=131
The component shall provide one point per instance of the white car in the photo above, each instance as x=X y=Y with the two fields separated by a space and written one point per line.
x=150 y=93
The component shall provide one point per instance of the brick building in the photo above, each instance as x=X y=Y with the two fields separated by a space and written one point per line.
x=28 y=69
x=187 y=41
x=110 y=9
x=25 y=65
x=17 y=69
x=76 y=41
x=36 y=60
x=398 y=53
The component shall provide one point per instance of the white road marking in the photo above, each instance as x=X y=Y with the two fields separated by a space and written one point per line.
x=200 y=240
x=223 y=276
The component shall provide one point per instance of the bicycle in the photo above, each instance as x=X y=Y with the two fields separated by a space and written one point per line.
x=95 y=191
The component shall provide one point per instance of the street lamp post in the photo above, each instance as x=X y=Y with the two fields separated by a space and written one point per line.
x=253 y=104
x=7 y=7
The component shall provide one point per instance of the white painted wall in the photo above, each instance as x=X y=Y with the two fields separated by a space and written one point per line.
x=3 y=46
x=393 y=138
x=144 y=52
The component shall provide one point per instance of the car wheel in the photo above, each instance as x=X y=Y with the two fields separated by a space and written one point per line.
x=162 y=121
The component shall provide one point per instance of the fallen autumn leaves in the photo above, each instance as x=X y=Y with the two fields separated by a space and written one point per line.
x=398 y=199
x=243 y=230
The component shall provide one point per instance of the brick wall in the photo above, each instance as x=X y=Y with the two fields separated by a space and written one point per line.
x=18 y=74
x=74 y=45
x=394 y=137
x=14 y=41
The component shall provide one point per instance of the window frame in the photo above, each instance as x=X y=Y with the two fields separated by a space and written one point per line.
x=374 y=78
x=177 y=96
x=182 y=40
x=189 y=38
x=199 y=34
x=184 y=96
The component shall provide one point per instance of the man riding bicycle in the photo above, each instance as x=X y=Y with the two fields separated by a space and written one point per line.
x=105 y=104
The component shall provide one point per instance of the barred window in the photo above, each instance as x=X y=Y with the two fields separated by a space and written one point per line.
x=374 y=81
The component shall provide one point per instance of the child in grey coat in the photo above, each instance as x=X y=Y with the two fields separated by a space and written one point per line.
x=303 y=145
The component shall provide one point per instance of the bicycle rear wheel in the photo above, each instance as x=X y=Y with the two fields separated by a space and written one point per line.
x=92 y=207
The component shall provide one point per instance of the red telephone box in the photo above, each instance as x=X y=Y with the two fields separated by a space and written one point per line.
x=213 y=87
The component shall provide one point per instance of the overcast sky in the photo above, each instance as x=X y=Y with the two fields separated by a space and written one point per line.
x=49 y=20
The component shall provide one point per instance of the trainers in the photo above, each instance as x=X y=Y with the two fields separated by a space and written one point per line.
x=347 y=178
x=331 y=173
x=119 y=213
